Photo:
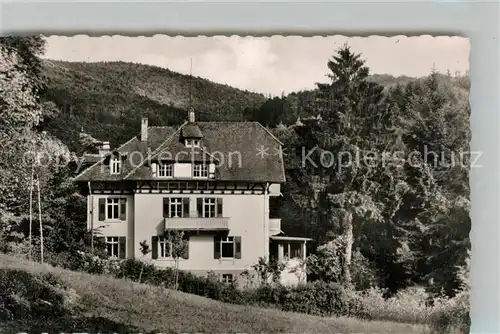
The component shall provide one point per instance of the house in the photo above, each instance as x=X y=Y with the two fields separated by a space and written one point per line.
x=211 y=180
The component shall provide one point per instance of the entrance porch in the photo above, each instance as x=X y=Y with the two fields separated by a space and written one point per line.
x=292 y=252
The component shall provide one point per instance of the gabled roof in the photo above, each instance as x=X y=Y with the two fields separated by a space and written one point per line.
x=158 y=134
x=99 y=171
x=242 y=151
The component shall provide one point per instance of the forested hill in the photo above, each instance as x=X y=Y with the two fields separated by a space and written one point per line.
x=108 y=99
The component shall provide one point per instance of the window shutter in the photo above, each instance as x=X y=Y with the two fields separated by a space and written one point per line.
x=166 y=207
x=237 y=247
x=199 y=206
x=211 y=168
x=154 y=247
x=216 y=247
x=123 y=245
x=211 y=171
x=102 y=209
x=185 y=206
x=185 y=253
x=219 y=207
x=123 y=209
x=154 y=169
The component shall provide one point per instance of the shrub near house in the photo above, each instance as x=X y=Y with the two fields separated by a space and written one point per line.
x=318 y=297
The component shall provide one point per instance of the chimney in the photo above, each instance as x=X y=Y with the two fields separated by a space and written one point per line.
x=144 y=129
x=104 y=149
x=191 y=115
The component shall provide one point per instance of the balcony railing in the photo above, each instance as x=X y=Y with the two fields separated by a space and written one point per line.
x=197 y=223
x=274 y=226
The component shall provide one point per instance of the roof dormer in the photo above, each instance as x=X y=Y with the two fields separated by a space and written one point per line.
x=114 y=160
x=191 y=133
x=115 y=165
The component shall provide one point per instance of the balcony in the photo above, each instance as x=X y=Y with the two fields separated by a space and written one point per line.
x=274 y=226
x=197 y=224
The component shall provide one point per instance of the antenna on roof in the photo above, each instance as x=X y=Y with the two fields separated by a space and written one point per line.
x=190 y=107
x=190 y=80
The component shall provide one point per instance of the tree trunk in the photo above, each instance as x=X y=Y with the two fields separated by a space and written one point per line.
x=176 y=279
x=349 y=240
x=40 y=218
x=140 y=274
x=30 y=250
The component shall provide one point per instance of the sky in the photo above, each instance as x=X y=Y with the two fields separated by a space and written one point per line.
x=268 y=65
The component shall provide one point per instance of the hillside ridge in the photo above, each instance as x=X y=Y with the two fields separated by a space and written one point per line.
x=108 y=304
x=108 y=99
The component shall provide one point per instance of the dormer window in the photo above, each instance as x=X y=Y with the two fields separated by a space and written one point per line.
x=115 y=165
x=165 y=170
x=192 y=142
x=200 y=170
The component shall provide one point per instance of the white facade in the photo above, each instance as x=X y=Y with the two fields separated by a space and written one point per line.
x=245 y=216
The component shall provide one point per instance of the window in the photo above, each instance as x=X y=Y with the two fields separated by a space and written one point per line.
x=227 y=278
x=192 y=143
x=113 y=208
x=165 y=170
x=200 y=170
x=116 y=208
x=227 y=247
x=113 y=246
x=115 y=165
x=175 y=207
x=164 y=247
x=208 y=207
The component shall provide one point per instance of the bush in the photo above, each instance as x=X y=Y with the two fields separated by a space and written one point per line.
x=363 y=272
x=269 y=295
x=326 y=264
x=452 y=314
x=318 y=298
x=94 y=264
x=268 y=270
x=409 y=305
x=414 y=305
x=25 y=295
x=63 y=259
